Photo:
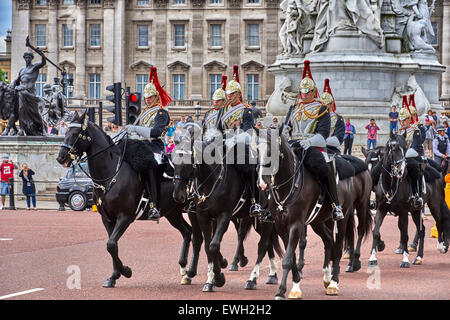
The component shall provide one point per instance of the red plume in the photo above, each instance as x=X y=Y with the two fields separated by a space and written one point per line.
x=327 y=88
x=413 y=102
x=164 y=98
x=224 y=82
x=307 y=70
x=236 y=73
x=405 y=104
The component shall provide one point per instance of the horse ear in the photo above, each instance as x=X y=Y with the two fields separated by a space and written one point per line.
x=392 y=135
x=364 y=151
x=75 y=116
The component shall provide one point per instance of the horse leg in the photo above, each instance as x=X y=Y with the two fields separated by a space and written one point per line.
x=412 y=247
x=178 y=222
x=273 y=266
x=302 y=246
x=288 y=262
x=403 y=227
x=327 y=238
x=376 y=238
x=120 y=227
x=241 y=226
x=197 y=240
x=421 y=237
x=206 y=227
x=222 y=261
x=223 y=222
x=263 y=244
x=350 y=243
x=333 y=287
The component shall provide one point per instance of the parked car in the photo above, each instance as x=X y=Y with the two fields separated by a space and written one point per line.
x=75 y=189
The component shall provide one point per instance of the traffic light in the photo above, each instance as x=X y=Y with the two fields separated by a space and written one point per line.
x=91 y=115
x=115 y=88
x=133 y=107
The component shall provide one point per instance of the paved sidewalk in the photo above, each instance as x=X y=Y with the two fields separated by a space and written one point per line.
x=40 y=205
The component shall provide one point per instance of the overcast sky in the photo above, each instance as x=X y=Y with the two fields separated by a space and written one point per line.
x=5 y=21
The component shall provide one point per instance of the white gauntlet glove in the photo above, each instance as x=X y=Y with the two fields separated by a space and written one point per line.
x=305 y=144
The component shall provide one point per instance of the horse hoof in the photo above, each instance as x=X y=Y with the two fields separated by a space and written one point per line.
x=273 y=279
x=399 y=251
x=250 y=285
x=219 y=281
x=186 y=281
x=412 y=248
x=381 y=246
x=233 y=267
x=442 y=247
x=405 y=265
x=356 y=265
x=326 y=284
x=349 y=269
x=333 y=289
x=243 y=262
x=294 y=294
x=300 y=274
x=208 y=287
x=127 y=273
x=373 y=263
x=279 y=297
x=110 y=283
x=224 y=263
x=417 y=261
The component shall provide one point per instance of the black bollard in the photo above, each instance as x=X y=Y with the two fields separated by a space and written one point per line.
x=11 y=194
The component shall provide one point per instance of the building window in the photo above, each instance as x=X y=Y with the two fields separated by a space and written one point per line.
x=41 y=80
x=253 y=35
x=252 y=86
x=66 y=2
x=253 y=1
x=143 y=36
x=94 y=31
x=178 y=86
x=67 y=35
x=96 y=2
x=66 y=92
x=142 y=3
x=179 y=2
x=216 y=35
x=41 y=31
x=41 y=2
x=214 y=83
x=94 y=86
x=435 y=40
x=179 y=30
x=215 y=1
x=141 y=82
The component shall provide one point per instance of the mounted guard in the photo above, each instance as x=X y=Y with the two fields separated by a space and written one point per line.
x=414 y=133
x=307 y=126
x=211 y=121
x=238 y=118
x=152 y=125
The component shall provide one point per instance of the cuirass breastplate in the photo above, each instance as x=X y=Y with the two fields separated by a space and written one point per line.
x=231 y=114
x=211 y=119
x=302 y=121
x=333 y=120
x=148 y=117
x=409 y=137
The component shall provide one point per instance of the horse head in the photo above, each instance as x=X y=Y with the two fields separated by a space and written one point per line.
x=394 y=157
x=373 y=156
x=183 y=158
x=76 y=140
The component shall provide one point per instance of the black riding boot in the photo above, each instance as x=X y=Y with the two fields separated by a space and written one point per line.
x=154 y=196
x=332 y=188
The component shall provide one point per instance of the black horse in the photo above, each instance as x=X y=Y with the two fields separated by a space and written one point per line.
x=293 y=194
x=9 y=108
x=393 y=193
x=117 y=188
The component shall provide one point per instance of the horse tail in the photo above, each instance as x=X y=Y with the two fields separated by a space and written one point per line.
x=368 y=221
x=445 y=219
x=350 y=228
x=276 y=243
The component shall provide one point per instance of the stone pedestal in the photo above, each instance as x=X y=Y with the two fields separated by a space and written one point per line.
x=39 y=153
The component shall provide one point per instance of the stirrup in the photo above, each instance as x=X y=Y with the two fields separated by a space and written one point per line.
x=154 y=214
x=337 y=213
x=267 y=217
x=141 y=206
x=418 y=201
x=255 y=210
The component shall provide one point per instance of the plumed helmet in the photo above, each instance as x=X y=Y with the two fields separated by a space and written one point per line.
x=233 y=85
x=307 y=84
x=154 y=88
x=404 y=111
x=150 y=90
x=47 y=87
x=326 y=98
x=219 y=94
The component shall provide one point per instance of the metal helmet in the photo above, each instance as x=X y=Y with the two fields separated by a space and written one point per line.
x=307 y=84
x=150 y=90
x=326 y=98
x=234 y=85
x=404 y=114
x=219 y=94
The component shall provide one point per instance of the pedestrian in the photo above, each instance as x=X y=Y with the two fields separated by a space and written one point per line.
x=170 y=146
x=393 y=119
x=350 y=131
x=443 y=118
x=54 y=131
x=429 y=119
x=6 y=172
x=170 y=130
x=441 y=148
x=62 y=128
x=447 y=128
x=372 y=129
x=259 y=125
x=435 y=118
x=28 y=187
x=274 y=124
x=430 y=134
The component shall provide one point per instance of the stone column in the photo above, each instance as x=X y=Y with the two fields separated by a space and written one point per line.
x=80 y=82
x=119 y=42
x=197 y=56
x=446 y=51
x=108 y=48
x=52 y=41
x=160 y=49
x=20 y=31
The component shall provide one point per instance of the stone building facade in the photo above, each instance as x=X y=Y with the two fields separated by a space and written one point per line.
x=191 y=42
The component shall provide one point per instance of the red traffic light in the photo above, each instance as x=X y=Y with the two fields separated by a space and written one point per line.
x=133 y=97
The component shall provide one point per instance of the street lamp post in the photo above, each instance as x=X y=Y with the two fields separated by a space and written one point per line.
x=198 y=111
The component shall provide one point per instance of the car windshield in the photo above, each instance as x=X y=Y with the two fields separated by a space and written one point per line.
x=77 y=173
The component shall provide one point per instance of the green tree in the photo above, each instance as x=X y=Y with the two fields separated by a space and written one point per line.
x=3 y=76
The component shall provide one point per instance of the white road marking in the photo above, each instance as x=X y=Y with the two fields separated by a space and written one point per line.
x=20 y=293
x=5 y=239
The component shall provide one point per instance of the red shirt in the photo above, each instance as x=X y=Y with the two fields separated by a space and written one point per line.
x=7 y=171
